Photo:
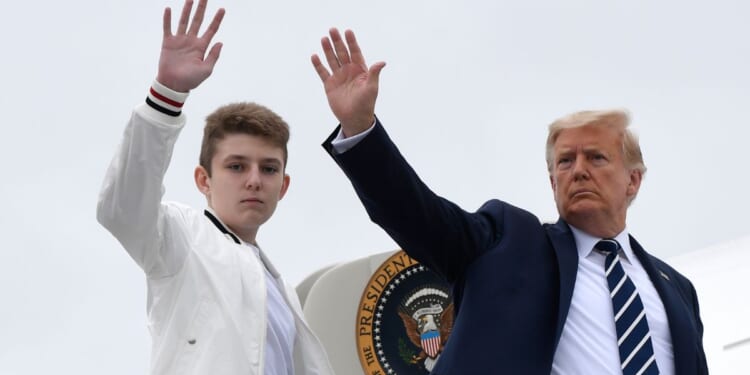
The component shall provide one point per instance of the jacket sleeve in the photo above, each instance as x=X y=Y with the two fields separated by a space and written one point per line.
x=130 y=204
x=702 y=362
x=429 y=228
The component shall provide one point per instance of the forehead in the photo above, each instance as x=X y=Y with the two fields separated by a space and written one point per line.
x=247 y=146
x=589 y=136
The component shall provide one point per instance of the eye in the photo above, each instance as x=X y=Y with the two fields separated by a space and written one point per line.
x=564 y=162
x=598 y=158
x=269 y=169
x=235 y=167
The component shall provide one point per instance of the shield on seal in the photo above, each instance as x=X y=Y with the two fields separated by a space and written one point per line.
x=431 y=342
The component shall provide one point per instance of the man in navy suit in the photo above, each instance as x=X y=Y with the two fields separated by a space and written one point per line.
x=530 y=298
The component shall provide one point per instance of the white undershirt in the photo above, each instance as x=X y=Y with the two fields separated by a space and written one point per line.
x=588 y=344
x=280 y=330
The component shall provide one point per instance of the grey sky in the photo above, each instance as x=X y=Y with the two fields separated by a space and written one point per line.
x=468 y=91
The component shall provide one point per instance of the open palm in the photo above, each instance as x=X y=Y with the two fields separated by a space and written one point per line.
x=183 y=63
x=351 y=88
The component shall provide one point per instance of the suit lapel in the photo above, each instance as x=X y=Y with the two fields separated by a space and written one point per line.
x=567 y=262
x=681 y=329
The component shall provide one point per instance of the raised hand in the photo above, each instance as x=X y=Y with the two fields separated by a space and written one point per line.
x=183 y=63
x=350 y=86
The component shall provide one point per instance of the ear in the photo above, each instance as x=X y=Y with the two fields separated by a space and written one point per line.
x=202 y=180
x=634 y=184
x=552 y=182
x=284 y=186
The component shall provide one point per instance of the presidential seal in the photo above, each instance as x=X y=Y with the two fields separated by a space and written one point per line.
x=404 y=318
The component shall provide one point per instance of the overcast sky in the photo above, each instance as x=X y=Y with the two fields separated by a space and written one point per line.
x=467 y=94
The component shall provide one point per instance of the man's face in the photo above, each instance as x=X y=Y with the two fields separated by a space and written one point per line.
x=591 y=183
x=246 y=182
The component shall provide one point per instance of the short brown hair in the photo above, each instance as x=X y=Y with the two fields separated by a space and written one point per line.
x=242 y=118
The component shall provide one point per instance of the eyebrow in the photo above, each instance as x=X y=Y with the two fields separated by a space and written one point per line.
x=585 y=149
x=244 y=158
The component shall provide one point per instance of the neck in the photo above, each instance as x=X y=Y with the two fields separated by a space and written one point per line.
x=597 y=226
x=249 y=238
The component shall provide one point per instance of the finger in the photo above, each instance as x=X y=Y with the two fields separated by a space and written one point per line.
x=319 y=68
x=373 y=76
x=167 y=22
x=333 y=62
x=184 y=17
x=341 y=52
x=214 y=26
x=213 y=55
x=356 y=53
x=200 y=11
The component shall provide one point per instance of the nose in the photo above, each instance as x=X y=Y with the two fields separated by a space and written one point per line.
x=580 y=169
x=253 y=181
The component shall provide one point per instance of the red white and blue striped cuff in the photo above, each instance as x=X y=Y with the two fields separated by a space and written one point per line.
x=165 y=100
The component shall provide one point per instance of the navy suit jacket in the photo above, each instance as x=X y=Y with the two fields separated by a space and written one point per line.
x=512 y=276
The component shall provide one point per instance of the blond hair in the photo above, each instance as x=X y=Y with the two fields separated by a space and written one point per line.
x=617 y=119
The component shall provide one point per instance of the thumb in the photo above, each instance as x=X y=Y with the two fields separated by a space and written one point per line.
x=374 y=72
x=213 y=55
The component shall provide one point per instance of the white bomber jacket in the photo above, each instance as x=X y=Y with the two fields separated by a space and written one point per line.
x=206 y=293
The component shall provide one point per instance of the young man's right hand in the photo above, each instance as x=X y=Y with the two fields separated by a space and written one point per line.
x=183 y=63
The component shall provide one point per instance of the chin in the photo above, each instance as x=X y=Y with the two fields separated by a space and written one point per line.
x=581 y=211
x=253 y=221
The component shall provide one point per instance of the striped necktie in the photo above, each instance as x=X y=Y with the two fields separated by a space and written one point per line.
x=633 y=336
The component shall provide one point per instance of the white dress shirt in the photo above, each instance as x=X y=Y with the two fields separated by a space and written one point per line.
x=588 y=344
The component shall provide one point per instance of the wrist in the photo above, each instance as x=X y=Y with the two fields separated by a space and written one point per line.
x=172 y=81
x=357 y=126
x=166 y=100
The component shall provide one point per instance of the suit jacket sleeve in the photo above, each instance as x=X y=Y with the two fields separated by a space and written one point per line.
x=702 y=362
x=428 y=227
x=681 y=304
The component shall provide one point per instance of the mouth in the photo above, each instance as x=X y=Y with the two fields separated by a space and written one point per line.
x=251 y=201
x=579 y=193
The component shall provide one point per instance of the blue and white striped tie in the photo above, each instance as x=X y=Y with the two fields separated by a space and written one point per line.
x=633 y=335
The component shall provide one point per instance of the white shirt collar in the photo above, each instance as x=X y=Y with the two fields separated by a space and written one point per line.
x=263 y=260
x=585 y=243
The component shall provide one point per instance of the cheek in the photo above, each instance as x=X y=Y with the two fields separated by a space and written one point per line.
x=559 y=183
x=277 y=186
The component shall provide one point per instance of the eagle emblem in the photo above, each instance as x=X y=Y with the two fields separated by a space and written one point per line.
x=403 y=319
x=428 y=323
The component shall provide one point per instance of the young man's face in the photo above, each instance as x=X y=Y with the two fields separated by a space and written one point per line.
x=590 y=180
x=247 y=181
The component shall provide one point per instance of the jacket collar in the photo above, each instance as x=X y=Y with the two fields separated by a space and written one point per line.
x=223 y=228
x=567 y=261
x=236 y=239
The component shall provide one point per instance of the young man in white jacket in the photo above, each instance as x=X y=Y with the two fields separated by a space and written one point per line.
x=216 y=305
